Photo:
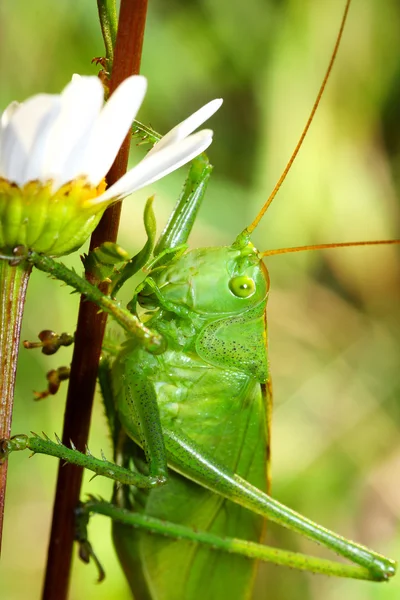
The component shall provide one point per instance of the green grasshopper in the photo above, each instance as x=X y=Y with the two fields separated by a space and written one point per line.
x=188 y=403
x=190 y=419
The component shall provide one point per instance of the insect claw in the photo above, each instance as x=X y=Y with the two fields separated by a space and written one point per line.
x=59 y=442
x=72 y=444
x=46 y=437
x=85 y=553
x=35 y=434
x=93 y=477
x=87 y=451
x=31 y=454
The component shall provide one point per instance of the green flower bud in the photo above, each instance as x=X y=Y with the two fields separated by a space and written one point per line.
x=53 y=223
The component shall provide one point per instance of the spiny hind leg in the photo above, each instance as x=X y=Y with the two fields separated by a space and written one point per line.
x=251 y=550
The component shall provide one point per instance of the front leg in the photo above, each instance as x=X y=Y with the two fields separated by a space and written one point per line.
x=138 y=412
x=135 y=401
x=99 y=466
x=150 y=288
x=150 y=340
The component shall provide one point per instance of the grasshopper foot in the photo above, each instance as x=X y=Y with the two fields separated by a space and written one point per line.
x=8 y=445
x=86 y=551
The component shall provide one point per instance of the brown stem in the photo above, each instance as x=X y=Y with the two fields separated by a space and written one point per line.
x=90 y=330
x=13 y=284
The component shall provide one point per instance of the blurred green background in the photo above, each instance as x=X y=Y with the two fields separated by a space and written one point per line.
x=333 y=316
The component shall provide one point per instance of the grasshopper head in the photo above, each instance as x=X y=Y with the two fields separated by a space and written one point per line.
x=214 y=281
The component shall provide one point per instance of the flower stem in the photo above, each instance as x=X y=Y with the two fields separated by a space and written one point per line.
x=13 y=284
x=108 y=24
x=90 y=330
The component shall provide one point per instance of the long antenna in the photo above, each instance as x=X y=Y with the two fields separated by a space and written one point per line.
x=325 y=246
x=260 y=215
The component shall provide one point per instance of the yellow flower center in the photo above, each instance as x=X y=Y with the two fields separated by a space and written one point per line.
x=54 y=223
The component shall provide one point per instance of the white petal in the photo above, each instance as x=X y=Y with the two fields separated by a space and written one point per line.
x=4 y=120
x=112 y=127
x=182 y=130
x=8 y=113
x=158 y=165
x=20 y=134
x=81 y=102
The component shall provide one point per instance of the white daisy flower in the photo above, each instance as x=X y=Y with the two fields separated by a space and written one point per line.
x=55 y=151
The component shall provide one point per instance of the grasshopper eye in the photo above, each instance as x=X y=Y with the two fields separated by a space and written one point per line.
x=242 y=286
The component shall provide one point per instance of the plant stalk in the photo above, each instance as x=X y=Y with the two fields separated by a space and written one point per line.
x=13 y=284
x=90 y=330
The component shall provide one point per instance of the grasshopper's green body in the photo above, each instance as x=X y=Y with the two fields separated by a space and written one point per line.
x=208 y=388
